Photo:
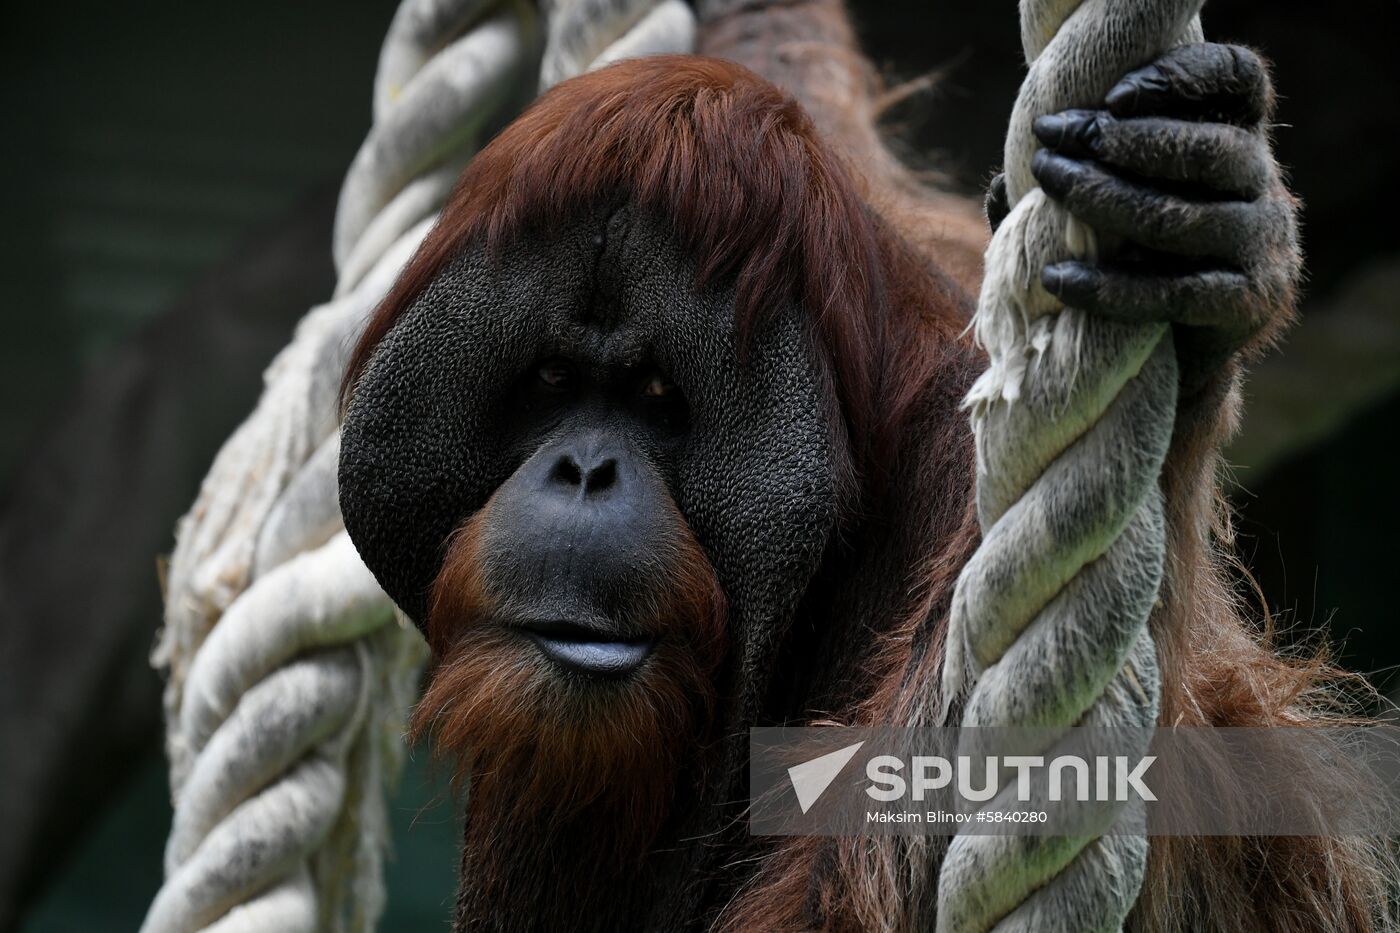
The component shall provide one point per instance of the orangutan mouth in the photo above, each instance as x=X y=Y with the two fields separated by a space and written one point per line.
x=587 y=648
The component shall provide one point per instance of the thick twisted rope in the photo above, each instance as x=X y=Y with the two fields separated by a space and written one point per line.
x=1073 y=420
x=289 y=681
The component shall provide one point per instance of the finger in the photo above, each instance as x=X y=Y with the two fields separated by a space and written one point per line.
x=1202 y=81
x=1218 y=156
x=1215 y=298
x=1228 y=231
x=996 y=205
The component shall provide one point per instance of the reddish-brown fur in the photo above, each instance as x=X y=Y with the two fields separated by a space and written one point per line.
x=757 y=191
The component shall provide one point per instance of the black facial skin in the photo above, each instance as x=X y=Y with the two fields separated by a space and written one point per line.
x=576 y=528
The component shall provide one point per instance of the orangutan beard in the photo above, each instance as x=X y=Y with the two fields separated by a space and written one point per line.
x=555 y=762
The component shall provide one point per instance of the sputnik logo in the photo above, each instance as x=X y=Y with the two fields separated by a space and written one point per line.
x=811 y=778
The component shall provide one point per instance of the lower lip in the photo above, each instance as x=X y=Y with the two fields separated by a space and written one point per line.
x=588 y=652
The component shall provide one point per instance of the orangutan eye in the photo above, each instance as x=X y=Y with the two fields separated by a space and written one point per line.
x=558 y=374
x=658 y=386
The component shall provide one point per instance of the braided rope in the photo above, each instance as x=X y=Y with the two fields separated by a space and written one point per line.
x=289 y=682
x=1073 y=420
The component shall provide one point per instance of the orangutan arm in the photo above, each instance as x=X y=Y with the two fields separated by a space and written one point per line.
x=808 y=48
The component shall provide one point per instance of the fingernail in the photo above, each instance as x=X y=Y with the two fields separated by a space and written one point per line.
x=1074 y=132
x=1049 y=129
x=1121 y=97
x=1054 y=172
x=1071 y=282
x=1124 y=99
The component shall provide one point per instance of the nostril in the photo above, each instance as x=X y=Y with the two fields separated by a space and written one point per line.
x=601 y=477
x=566 y=472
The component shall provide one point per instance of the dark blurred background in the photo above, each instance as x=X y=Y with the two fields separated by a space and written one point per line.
x=170 y=176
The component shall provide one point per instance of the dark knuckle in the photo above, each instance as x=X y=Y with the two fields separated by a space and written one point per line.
x=1248 y=65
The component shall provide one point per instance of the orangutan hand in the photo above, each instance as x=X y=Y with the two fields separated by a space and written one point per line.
x=1178 y=164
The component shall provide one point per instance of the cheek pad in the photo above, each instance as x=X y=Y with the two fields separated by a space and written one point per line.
x=757 y=479
x=760 y=485
x=420 y=450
